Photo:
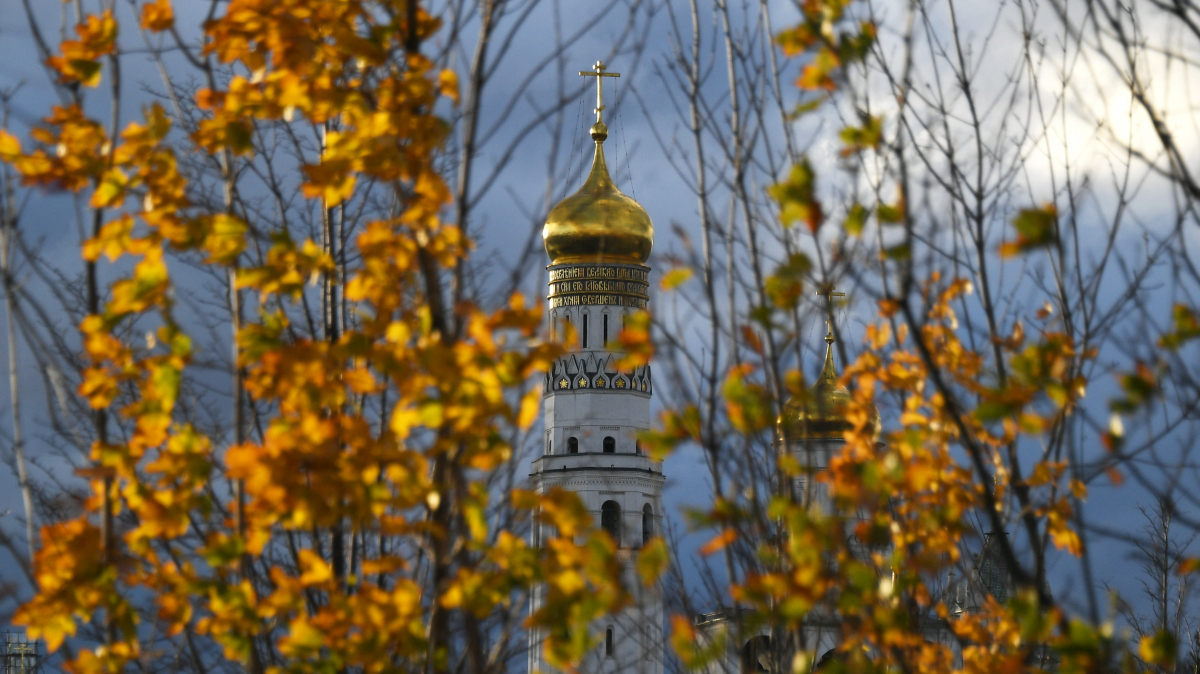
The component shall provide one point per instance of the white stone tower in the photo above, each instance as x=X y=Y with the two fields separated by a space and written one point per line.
x=598 y=241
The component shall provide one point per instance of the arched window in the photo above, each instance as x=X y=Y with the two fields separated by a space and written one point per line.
x=647 y=523
x=572 y=445
x=610 y=445
x=756 y=655
x=606 y=328
x=608 y=645
x=585 y=330
x=610 y=520
x=832 y=658
x=549 y=446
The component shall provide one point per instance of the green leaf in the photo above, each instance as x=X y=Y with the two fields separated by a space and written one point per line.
x=808 y=106
x=993 y=411
x=890 y=214
x=855 y=46
x=1139 y=386
x=855 y=220
x=865 y=137
x=1035 y=624
x=86 y=71
x=1036 y=228
x=1186 y=328
x=1159 y=649
x=652 y=561
x=746 y=402
x=796 y=197
x=786 y=285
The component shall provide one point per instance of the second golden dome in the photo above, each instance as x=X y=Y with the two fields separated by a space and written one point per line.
x=821 y=414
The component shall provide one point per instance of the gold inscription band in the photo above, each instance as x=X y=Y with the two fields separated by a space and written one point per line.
x=599 y=284
x=620 y=287
x=607 y=300
x=592 y=271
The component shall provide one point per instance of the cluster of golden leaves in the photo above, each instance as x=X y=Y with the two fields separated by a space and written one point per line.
x=323 y=460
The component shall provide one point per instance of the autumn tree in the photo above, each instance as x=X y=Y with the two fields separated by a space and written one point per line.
x=355 y=505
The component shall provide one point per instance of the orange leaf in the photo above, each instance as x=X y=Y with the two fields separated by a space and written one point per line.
x=719 y=542
x=158 y=15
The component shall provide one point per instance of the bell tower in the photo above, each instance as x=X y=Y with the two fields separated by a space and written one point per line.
x=598 y=241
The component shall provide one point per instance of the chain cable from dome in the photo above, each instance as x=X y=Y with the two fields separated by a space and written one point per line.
x=625 y=145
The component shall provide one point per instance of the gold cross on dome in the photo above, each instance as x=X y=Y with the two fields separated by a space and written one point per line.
x=828 y=292
x=599 y=74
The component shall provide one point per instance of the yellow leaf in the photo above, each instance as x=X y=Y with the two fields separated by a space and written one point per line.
x=331 y=181
x=302 y=635
x=531 y=404
x=1159 y=649
x=448 y=85
x=112 y=241
x=652 y=561
x=314 y=570
x=111 y=190
x=568 y=582
x=10 y=147
x=225 y=238
x=675 y=278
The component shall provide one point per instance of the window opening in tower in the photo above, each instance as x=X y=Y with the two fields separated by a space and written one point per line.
x=610 y=520
x=647 y=524
x=585 y=330
x=756 y=655
x=572 y=446
x=610 y=445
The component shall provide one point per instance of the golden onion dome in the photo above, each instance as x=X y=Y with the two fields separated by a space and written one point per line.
x=598 y=223
x=821 y=415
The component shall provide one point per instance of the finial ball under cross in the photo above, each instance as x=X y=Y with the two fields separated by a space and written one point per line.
x=599 y=73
